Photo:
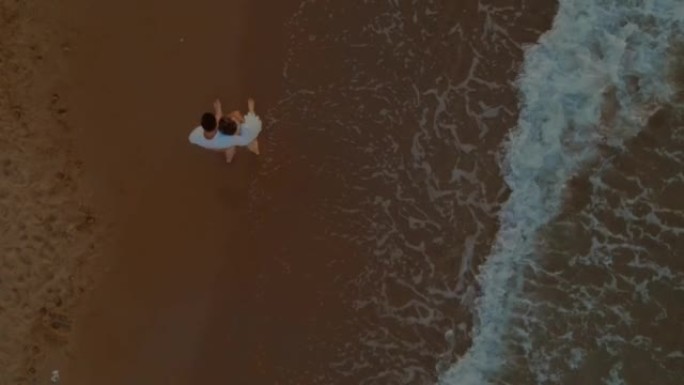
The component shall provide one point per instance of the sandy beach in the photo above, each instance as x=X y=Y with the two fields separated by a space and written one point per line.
x=52 y=234
x=181 y=211
x=471 y=192
x=116 y=229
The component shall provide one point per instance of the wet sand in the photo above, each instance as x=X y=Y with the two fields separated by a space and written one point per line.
x=147 y=272
x=97 y=104
x=181 y=212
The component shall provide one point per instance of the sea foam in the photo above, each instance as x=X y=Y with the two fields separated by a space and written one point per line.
x=596 y=51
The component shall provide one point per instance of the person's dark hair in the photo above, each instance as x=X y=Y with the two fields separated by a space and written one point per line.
x=208 y=122
x=227 y=126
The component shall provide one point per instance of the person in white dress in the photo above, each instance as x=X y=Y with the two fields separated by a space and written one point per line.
x=224 y=133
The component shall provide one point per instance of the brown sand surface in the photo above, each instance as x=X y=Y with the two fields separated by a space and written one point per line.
x=50 y=232
x=97 y=101
x=142 y=79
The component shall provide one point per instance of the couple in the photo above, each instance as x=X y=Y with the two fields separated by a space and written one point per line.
x=223 y=133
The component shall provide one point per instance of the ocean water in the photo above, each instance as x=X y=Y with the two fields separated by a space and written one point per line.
x=491 y=191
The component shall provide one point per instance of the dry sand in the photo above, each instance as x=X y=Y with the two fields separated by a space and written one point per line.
x=96 y=105
x=50 y=232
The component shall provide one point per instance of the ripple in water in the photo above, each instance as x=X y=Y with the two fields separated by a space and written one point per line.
x=499 y=244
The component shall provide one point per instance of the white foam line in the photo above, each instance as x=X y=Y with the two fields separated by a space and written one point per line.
x=593 y=46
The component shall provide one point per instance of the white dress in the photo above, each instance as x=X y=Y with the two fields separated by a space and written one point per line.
x=249 y=130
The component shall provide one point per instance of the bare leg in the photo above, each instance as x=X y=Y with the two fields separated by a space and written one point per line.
x=230 y=153
x=254 y=146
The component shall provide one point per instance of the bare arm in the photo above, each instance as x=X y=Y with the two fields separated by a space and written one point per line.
x=218 y=112
x=237 y=116
x=250 y=105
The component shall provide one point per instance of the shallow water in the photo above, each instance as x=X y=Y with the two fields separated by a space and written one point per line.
x=472 y=208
